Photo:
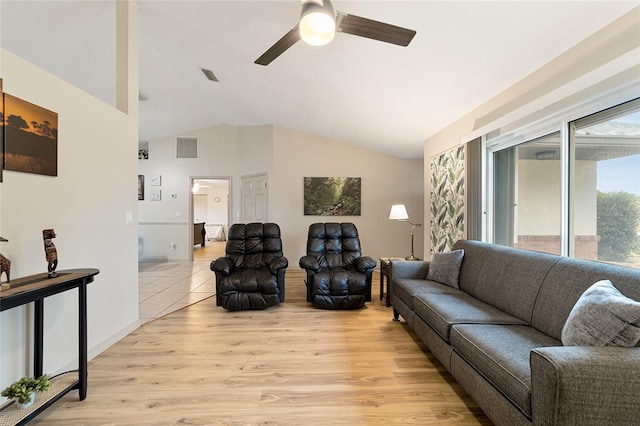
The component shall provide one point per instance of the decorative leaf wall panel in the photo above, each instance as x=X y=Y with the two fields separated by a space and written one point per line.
x=447 y=200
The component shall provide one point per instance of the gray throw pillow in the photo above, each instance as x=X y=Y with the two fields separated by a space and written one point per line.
x=445 y=268
x=603 y=316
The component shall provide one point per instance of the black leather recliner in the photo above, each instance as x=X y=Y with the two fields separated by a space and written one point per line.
x=338 y=276
x=251 y=274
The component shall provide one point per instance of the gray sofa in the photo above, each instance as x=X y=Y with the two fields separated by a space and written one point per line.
x=499 y=335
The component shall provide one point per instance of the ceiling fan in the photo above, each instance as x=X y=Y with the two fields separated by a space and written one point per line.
x=318 y=24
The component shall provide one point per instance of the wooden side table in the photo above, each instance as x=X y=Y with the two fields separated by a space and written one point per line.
x=35 y=289
x=385 y=271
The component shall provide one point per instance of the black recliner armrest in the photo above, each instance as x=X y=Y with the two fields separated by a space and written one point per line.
x=364 y=262
x=277 y=264
x=224 y=265
x=310 y=263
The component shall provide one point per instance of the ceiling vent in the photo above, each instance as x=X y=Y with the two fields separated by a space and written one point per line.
x=209 y=74
x=142 y=96
x=187 y=148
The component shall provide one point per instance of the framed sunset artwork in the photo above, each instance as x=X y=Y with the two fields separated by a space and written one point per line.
x=31 y=137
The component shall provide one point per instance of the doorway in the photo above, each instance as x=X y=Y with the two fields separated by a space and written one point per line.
x=210 y=204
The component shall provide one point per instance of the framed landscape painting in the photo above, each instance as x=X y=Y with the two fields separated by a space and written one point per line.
x=332 y=196
x=31 y=137
x=1 y=130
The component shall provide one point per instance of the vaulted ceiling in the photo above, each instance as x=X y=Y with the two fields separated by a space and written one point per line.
x=356 y=90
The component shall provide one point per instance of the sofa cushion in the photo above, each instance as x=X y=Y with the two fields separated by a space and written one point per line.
x=339 y=288
x=445 y=268
x=501 y=354
x=441 y=311
x=406 y=288
x=603 y=316
x=249 y=288
x=510 y=279
x=475 y=254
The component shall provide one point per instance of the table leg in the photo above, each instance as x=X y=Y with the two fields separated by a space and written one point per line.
x=381 y=282
x=82 y=340
x=388 y=289
x=38 y=337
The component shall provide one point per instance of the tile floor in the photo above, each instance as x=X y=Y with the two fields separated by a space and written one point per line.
x=165 y=287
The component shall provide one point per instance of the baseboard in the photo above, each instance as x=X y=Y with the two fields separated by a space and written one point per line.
x=102 y=346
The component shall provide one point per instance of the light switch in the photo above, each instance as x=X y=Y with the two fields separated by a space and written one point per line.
x=129 y=216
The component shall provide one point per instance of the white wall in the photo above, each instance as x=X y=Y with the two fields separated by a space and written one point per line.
x=159 y=223
x=286 y=156
x=386 y=180
x=255 y=150
x=255 y=157
x=596 y=67
x=86 y=204
x=216 y=210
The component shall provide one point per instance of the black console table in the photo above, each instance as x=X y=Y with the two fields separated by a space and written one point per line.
x=34 y=289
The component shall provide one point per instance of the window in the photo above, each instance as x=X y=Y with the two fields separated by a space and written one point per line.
x=605 y=185
x=568 y=188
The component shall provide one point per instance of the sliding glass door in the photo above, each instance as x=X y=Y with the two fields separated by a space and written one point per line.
x=605 y=185
x=574 y=191
x=527 y=195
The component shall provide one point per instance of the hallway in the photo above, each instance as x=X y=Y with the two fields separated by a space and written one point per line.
x=165 y=287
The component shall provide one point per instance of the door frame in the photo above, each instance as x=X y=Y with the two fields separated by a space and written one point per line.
x=190 y=192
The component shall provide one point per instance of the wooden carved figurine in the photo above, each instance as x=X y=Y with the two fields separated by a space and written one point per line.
x=50 y=251
x=5 y=264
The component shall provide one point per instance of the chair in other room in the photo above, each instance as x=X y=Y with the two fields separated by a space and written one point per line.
x=251 y=274
x=338 y=276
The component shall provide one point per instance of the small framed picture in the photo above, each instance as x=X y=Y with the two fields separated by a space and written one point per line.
x=155 y=180
x=155 y=194
x=143 y=150
x=140 y=187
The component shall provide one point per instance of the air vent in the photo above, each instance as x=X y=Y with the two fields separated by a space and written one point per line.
x=209 y=74
x=142 y=96
x=187 y=148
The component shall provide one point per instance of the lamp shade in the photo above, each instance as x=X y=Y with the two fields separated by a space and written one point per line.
x=398 y=212
x=317 y=23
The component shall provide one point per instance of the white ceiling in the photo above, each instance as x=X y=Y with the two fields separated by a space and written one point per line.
x=355 y=90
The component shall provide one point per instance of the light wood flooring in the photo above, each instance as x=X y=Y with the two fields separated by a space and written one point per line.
x=165 y=287
x=211 y=250
x=291 y=364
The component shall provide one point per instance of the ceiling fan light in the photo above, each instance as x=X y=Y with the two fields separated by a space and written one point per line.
x=317 y=24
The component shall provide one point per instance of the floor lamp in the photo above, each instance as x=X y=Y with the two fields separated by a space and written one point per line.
x=399 y=213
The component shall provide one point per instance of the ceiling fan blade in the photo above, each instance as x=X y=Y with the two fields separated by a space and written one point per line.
x=288 y=40
x=368 y=28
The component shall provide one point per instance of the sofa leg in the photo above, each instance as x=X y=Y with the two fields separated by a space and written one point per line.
x=396 y=315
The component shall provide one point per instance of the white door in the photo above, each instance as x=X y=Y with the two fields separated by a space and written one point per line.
x=200 y=208
x=255 y=198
